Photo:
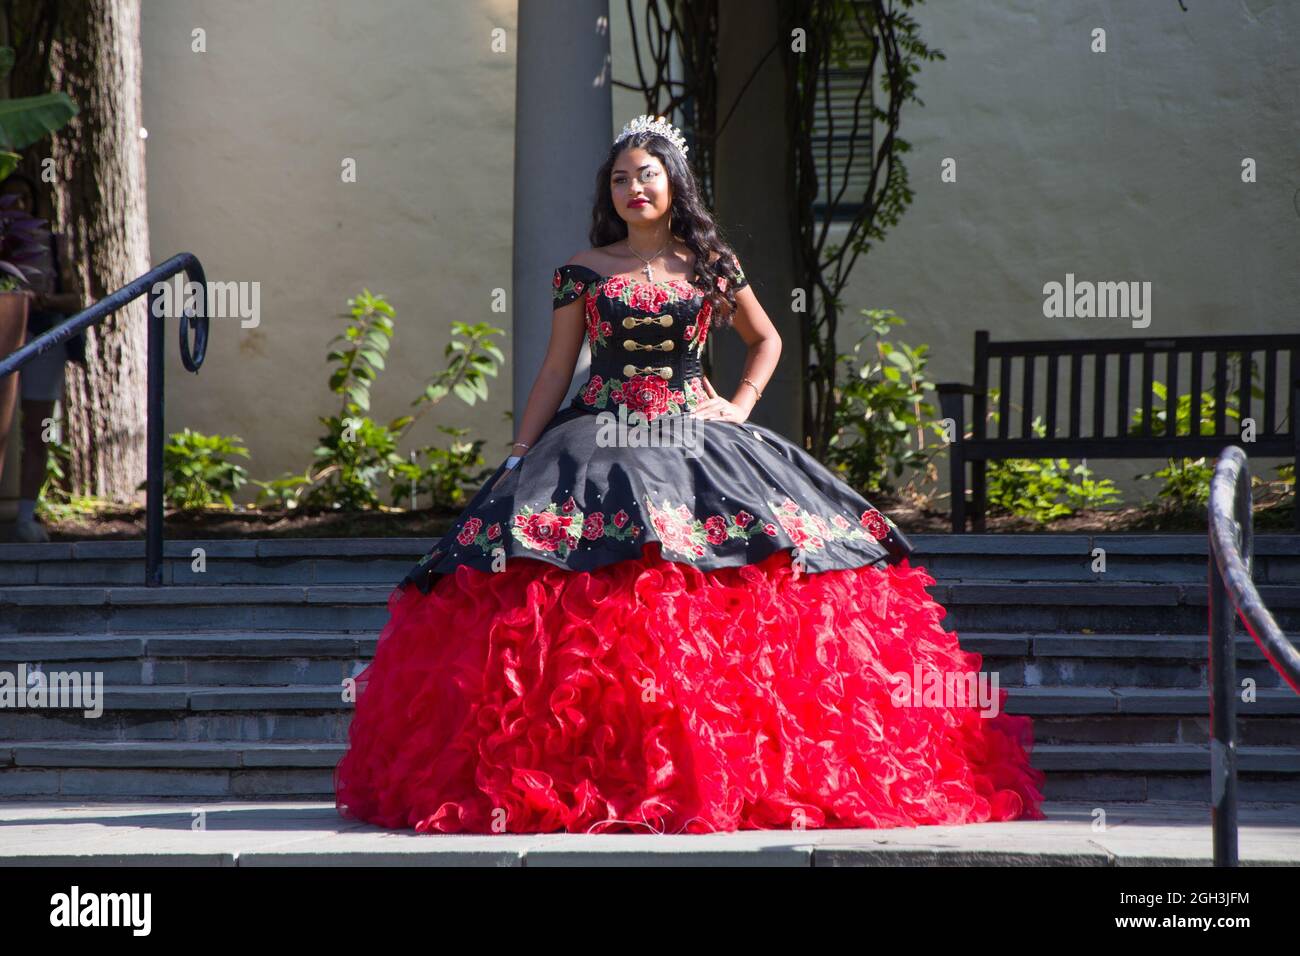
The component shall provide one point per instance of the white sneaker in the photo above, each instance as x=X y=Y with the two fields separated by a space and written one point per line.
x=31 y=531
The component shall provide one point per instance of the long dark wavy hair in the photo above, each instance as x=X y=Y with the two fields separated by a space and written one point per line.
x=692 y=223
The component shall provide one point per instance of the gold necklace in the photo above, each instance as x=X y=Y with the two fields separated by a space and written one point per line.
x=649 y=272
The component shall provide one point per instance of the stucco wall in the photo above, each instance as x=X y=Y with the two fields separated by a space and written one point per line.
x=1117 y=166
x=245 y=149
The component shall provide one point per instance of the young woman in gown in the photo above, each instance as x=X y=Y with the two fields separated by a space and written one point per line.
x=683 y=629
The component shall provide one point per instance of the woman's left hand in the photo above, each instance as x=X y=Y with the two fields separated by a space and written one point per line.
x=717 y=408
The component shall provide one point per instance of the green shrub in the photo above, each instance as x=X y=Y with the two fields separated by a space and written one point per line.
x=881 y=414
x=446 y=474
x=1042 y=489
x=357 y=456
x=198 y=472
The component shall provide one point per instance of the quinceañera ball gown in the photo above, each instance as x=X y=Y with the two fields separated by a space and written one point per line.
x=671 y=631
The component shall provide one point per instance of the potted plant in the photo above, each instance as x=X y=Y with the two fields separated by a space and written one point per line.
x=24 y=242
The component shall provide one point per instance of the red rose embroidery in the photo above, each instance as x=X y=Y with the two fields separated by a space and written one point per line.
x=769 y=529
x=594 y=526
x=743 y=518
x=615 y=286
x=648 y=298
x=470 y=531
x=494 y=531
x=800 y=531
x=716 y=529
x=620 y=518
x=647 y=394
x=702 y=320
x=875 y=522
x=545 y=531
x=593 y=321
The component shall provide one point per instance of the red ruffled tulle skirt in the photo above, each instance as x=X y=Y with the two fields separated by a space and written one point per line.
x=651 y=696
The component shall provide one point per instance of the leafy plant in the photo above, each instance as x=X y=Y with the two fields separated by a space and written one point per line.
x=197 y=472
x=1186 y=481
x=446 y=473
x=26 y=119
x=1042 y=489
x=881 y=412
x=357 y=455
x=24 y=240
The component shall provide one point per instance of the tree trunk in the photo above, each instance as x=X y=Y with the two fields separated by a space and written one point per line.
x=90 y=49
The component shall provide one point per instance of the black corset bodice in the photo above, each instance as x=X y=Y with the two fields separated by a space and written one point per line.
x=646 y=339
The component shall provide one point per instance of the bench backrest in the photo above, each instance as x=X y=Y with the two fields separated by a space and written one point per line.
x=1187 y=365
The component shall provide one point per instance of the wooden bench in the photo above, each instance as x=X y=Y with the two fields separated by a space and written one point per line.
x=1111 y=373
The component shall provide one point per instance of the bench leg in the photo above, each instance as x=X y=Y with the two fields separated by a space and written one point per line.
x=979 y=492
x=957 y=484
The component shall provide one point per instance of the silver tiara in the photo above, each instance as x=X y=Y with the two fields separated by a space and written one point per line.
x=655 y=124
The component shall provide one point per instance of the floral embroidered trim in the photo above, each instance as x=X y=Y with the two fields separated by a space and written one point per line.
x=616 y=526
x=734 y=277
x=565 y=287
x=648 y=297
x=648 y=394
x=681 y=531
x=558 y=528
x=877 y=522
x=811 y=531
x=554 y=528
x=598 y=329
x=474 y=534
x=701 y=325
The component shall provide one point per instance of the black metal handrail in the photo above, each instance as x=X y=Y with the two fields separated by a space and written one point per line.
x=192 y=358
x=1231 y=588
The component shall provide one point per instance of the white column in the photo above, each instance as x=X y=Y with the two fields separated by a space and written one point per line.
x=563 y=128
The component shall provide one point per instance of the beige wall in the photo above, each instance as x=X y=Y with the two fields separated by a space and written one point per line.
x=244 y=152
x=1124 y=165
x=1117 y=166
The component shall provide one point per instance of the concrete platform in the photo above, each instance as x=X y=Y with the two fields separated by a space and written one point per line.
x=286 y=833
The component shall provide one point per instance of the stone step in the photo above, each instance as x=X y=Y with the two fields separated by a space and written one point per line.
x=201 y=713
x=985 y=607
x=1036 y=701
x=1173 y=558
x=106 y=770
x=260 y=833
x=250 y=658
x=243 y=659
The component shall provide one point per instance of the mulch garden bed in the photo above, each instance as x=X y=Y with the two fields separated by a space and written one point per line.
x=1271 y=514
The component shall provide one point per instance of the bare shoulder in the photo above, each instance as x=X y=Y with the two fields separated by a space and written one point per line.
x=587 y=258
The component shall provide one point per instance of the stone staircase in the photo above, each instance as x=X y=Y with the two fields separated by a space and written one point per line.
x=226 y=683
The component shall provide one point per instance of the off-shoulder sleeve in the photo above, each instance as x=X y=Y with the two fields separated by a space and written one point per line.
x=736 y=276
x=570 y=282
